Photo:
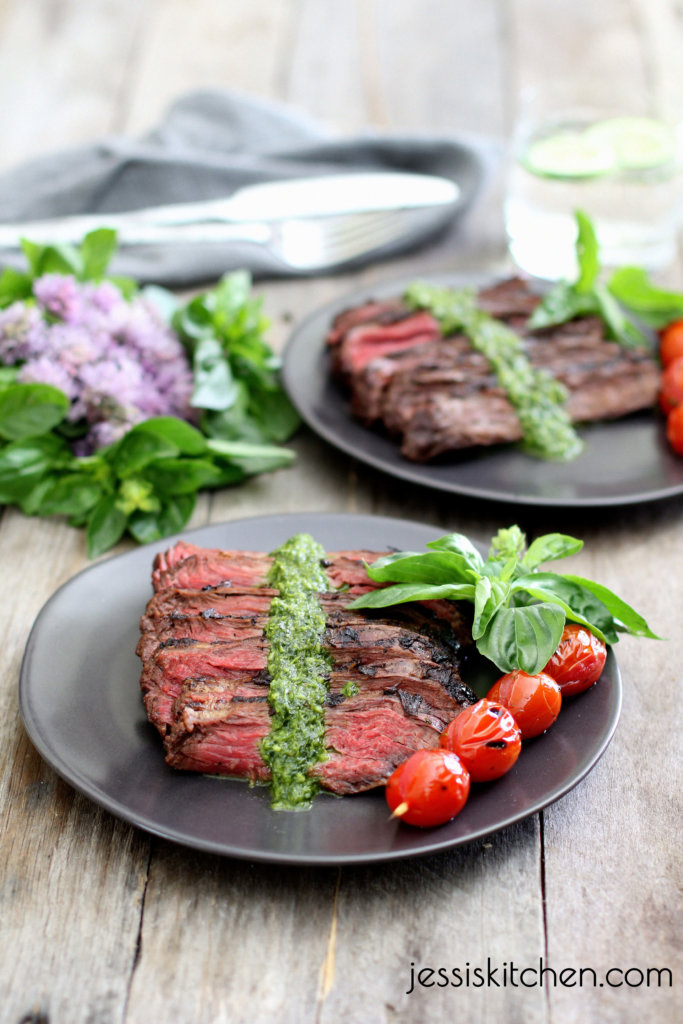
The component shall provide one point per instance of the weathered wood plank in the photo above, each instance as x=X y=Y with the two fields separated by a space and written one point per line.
x=63 y=68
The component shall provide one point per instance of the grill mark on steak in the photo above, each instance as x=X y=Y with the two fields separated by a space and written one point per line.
x=205 y=678
x=440 y=395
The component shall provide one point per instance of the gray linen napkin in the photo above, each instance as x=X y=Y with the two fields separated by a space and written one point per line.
x=210 y=143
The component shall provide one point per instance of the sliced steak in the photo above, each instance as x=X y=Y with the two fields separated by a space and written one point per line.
x=439 y=395
x=393 y=682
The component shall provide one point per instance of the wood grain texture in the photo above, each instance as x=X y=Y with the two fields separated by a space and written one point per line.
x=100 y=923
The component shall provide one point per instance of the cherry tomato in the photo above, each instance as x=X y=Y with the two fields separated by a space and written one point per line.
x=534 y=701
x=671 y=386
x=486 y=738
x=578 y=661
x=431 y=787
x=671 y=342
x=674 y=429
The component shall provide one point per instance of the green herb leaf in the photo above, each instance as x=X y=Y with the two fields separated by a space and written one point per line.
x=435 y=567
x=632 y=287
x=73 y=494
x=97 y=250
x=413 y=592
x=586 y=253
x=489 y=596
x=550 y=548
x=137 y=449
x=28 y=410
x=24 y=463
x=14 y=286
x=627 y=619
x=524 y=638
x=579 y=603
x=106 y=526
x=171 y=518
x=461 y=545
x=183 y=476
x=560 y=304
x=181 y=437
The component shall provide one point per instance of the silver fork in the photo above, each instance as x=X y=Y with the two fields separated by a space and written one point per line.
x=300 y=243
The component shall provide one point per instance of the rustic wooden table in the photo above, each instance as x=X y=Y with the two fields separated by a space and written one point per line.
x=99 y=922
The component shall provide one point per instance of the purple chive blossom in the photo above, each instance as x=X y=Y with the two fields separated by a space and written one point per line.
x=60 y=295
x=117 y=360
x=44 y=370
x=22 y=333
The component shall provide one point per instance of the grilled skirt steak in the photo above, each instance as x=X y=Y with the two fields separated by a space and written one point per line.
x=393 y=682
x=438 y=394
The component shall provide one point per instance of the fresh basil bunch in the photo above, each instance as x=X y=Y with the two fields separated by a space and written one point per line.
x=145 y=484
x=236 y=381
x=519 y=611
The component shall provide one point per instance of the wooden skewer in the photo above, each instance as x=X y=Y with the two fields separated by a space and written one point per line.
x=399 y=811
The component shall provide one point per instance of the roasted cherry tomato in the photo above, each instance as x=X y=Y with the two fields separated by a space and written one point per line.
x=671 y=386
x=486 y=738
x=671 y=342
x=578 y=661
x=533 y=701
x=431 y=787
x=674 y=429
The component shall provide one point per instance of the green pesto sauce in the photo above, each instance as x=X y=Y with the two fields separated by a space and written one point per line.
x=539 y=400
x=350 y=689
x=298 y=666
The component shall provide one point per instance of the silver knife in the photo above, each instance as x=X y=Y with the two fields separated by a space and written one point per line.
x=266 y=203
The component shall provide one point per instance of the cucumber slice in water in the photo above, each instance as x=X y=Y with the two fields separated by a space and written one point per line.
x=570 y=154
x=639 y=143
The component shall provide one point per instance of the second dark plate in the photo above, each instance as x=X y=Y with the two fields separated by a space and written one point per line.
x=624 y=462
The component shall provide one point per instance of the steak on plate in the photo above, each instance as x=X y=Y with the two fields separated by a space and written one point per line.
x=438 y=394
x=393 y=684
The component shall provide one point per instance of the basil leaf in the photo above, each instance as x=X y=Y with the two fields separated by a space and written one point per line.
x=14 y=286
x=560 y=304
x=106 y=526
x=28 y=410
x=412 y=592
x=182 y=476
x=184 y=438
x=541 y=594
x=655 y=306
x=70 y=495
x=489 y=596
x=461 y=545
x=97 y=249
x=585 y=606
x=173 y=516
x=549 y=548
x=625 y=616
x=137 y=449
x=586 y=253
x=276 y=415
x=619 y=326
x=24 y=463
x=214 y=385
x=52 y=259
x=434 y=567
x=524 y=638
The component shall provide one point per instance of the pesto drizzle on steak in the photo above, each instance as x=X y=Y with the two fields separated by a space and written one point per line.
x=298 y=666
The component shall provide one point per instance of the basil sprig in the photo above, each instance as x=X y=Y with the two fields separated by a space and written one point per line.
x=519 y=611
x=146 y=484
x=588 y=295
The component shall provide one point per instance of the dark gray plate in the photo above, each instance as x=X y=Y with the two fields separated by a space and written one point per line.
x=80 y=702
x=625 y=461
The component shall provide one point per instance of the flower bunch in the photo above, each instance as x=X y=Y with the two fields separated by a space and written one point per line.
x=99 y=379
x=114 y=358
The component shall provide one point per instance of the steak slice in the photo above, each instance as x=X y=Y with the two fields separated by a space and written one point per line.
x=438 y=395
x=394 y=682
